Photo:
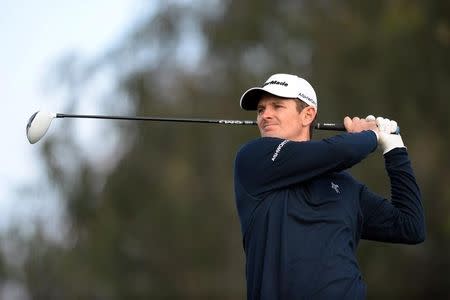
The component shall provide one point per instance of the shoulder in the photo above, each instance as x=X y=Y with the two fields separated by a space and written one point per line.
x=260 y=146
x=259 y=155
x=346 y=175
x=262 y=141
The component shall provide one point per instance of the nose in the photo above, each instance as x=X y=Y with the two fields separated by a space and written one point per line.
x=266 y=114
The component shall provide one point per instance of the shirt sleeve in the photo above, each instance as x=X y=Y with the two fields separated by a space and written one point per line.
x=270 y=163
x=400 y=220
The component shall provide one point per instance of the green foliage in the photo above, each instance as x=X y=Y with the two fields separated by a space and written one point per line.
x=164 y=226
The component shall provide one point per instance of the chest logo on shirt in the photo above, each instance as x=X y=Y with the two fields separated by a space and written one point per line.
x=335 y=187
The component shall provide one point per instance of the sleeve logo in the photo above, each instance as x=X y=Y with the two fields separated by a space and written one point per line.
x=277 y=151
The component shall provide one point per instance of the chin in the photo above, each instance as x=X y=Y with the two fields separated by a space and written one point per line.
x=272 y=134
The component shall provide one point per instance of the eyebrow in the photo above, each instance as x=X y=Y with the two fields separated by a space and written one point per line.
x=272 y=101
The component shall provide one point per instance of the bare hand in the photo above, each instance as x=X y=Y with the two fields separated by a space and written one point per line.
x=357 y=125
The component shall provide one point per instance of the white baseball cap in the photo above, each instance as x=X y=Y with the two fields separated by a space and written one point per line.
x=281 y=85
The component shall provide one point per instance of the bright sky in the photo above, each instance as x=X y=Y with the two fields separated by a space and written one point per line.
x=34 y=35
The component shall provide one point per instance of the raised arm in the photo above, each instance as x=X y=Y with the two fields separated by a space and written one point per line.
x=270 y=163
x=400 y=220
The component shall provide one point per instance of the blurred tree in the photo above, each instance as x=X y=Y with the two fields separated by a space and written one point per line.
x=162 y=222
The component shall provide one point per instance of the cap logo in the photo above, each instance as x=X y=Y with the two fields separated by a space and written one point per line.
x=307 y=98
x=283 y=83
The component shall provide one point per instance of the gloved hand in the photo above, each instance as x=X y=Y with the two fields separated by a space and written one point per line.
x=386 y=140
x=386 y=125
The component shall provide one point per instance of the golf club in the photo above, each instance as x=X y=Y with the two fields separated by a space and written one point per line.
x=40 y=121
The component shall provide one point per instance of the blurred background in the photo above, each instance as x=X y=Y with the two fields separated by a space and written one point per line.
x=124 y=210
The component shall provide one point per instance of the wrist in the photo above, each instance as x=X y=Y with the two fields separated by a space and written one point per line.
x=389 y=142
x=376 y=134
x=395 y=152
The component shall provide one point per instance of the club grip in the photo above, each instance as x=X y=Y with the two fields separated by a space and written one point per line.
x=341 y=127
x=330 y=126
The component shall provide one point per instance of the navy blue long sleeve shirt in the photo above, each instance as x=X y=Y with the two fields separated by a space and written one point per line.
x=302 y=215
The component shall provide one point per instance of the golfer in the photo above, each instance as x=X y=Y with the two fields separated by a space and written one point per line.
x=302 y=215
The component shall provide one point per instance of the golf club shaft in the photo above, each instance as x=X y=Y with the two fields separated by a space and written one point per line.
x=321 y=126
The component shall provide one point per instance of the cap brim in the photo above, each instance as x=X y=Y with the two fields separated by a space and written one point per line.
x=250 y=99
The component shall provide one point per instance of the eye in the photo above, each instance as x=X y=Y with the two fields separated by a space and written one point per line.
x=260 y=110
x=278 y=106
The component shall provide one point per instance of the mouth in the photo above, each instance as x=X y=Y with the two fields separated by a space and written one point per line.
x=268 y=127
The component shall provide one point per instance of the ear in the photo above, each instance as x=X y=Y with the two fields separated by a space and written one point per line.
x=308 y=115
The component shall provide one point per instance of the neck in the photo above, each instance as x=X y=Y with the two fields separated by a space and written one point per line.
x=303 y=136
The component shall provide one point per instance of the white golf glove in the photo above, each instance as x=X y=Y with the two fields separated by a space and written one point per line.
x=387 y=140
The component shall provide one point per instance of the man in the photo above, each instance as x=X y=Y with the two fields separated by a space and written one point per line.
x=301 y=214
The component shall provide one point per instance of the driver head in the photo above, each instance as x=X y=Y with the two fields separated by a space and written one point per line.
x=38 y=125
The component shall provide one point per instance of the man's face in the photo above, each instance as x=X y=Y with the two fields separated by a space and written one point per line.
x=279 y=117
